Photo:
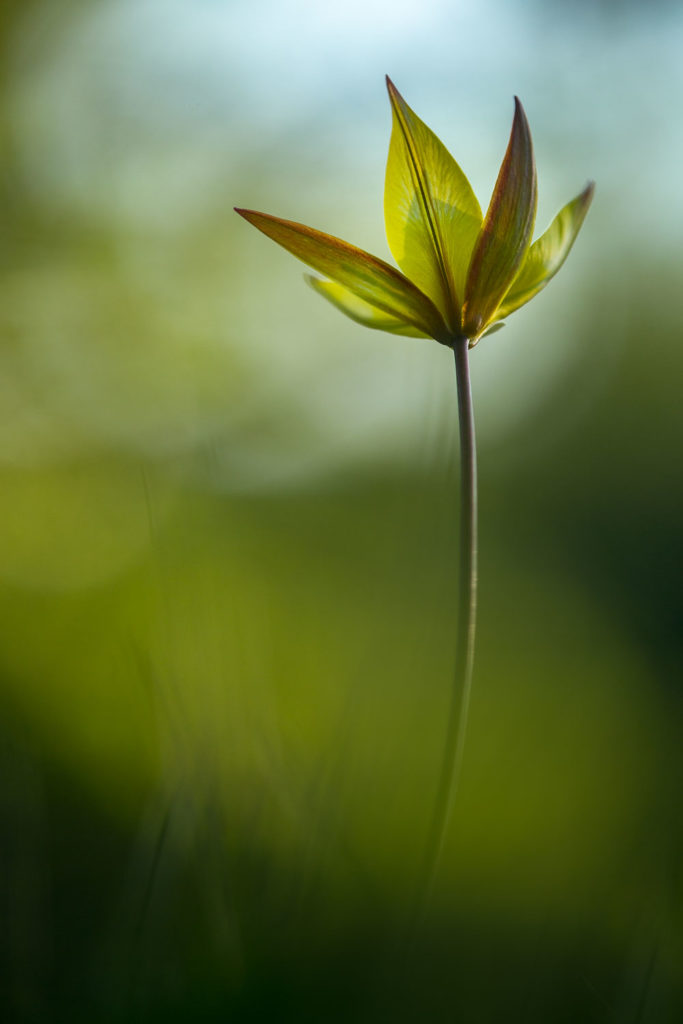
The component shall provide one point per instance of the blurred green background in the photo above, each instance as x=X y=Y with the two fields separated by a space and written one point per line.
x=227 y=522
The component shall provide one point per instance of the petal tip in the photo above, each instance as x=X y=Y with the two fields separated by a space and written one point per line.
x=585 y=197
x=520 y=115
x=394 y=94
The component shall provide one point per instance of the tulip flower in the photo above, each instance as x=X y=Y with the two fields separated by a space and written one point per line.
x=461 y=274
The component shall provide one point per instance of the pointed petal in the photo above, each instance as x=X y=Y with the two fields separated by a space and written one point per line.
x=360 y=311
x=493 y=329
x=369 y=278
x=431 y=213
x=548 y=253
x=506 y=232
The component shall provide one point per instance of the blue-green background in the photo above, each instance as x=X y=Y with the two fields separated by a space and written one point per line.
x=228 y=516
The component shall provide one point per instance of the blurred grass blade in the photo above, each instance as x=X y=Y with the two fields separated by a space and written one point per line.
x=359 y=310
x=432 y=215
x=370 y=279
x=548 y=253
x=507 y=229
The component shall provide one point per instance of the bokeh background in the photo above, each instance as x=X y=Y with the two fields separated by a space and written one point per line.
x=227 y=522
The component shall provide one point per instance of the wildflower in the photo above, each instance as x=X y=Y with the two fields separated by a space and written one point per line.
x=462 y=273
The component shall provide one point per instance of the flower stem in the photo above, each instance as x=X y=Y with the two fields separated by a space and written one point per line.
x=466 y=622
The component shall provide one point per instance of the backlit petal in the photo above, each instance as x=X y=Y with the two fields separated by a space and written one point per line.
x=548 y=253
x=371 y=279
x=431 y=213
x=360 y=311
x=506 y=231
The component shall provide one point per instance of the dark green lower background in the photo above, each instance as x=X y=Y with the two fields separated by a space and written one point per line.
x=218 y=766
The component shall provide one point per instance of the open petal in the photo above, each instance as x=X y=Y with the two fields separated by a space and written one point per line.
x=360 y=311
x=367 y=277
x=506 y=231
x=431 y=213
x=548 y=253
x=498 y=325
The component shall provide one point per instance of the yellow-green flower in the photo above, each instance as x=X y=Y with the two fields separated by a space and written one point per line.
x=463 y=273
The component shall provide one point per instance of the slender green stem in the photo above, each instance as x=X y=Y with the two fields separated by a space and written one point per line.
x=466 y=621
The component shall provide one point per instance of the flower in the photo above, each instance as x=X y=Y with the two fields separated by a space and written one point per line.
x=462 y=273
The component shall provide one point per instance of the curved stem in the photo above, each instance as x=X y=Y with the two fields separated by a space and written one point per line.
x=466 y=622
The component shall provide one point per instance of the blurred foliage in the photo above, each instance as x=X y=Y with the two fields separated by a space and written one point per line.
x=227 y=574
